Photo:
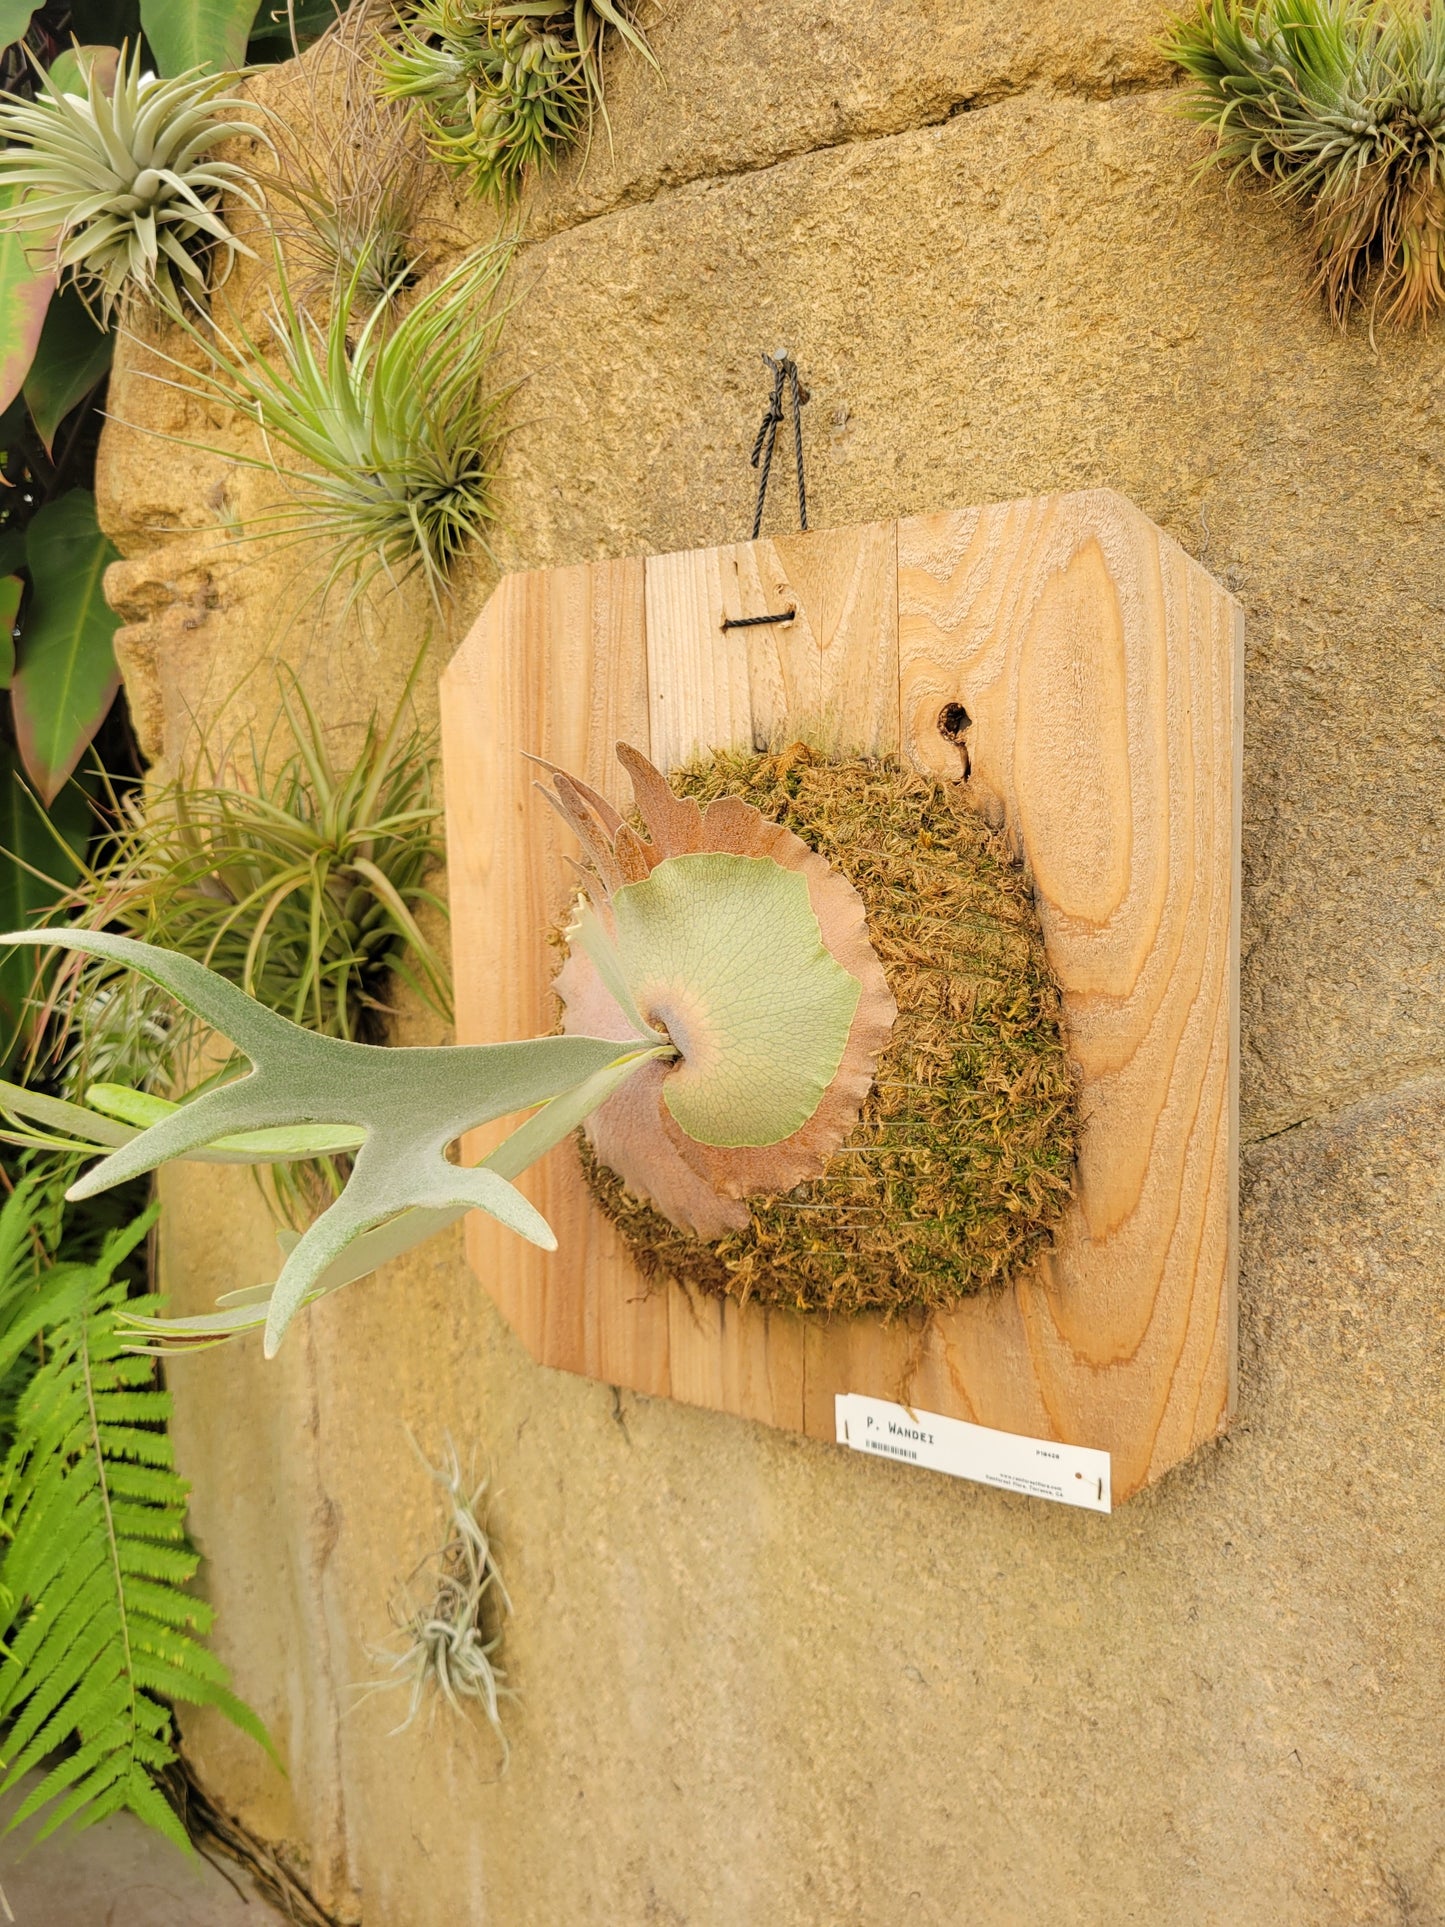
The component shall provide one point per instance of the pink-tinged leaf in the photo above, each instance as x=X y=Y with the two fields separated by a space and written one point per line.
x=11 y=590
x=66 y=676
x=25 y=291
x=79 y=68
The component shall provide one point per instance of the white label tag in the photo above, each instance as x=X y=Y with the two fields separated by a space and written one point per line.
x=1070 y=1474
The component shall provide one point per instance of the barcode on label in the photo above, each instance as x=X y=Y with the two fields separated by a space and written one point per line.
x=1042 y=1468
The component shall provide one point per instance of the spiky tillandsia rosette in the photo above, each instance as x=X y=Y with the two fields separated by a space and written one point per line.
x=959 y=1165
x=300 y=880
x=351 y=189
x=1340 y=106
x=754 y=958
x=123 y=183
x=498 y=88
x=384 y=430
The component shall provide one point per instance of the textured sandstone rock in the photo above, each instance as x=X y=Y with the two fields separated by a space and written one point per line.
x=764 y=1682
x=745 y=86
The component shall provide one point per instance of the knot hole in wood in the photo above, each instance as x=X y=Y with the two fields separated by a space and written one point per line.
x=953 y=723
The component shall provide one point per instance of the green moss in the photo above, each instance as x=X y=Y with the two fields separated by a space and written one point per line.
x=960 y=1164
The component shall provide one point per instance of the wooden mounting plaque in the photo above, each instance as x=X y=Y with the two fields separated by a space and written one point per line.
x=1101 y=669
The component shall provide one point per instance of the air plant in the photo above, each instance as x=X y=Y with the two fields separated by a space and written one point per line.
x=725 y=963
x=123 y=183
x=1339 y=106
x=383 y=429
x=357 y=180
x=354 y=231
x=447 y=1637
x=501 y=87
x=299 y=881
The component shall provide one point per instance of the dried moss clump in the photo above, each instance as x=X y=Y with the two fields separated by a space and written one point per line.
x=960 y=1165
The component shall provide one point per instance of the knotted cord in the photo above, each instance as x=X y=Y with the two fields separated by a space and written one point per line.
x=785 y=375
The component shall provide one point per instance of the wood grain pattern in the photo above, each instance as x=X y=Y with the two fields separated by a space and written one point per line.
x=832 y=673
x=555 y=666
x=1100 y=667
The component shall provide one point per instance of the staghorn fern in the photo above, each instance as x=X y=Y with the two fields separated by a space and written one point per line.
x=100 y=1631
x=1339 y=105
x=723 y=965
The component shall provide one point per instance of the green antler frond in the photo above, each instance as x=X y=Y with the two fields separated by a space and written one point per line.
x=409 y=1105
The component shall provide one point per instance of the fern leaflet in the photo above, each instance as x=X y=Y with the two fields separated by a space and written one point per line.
x=99 y=1633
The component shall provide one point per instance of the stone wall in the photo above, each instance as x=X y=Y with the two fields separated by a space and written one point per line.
x=763 y=1681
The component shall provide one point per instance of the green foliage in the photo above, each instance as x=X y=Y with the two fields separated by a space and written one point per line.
x=66 y=675
x=29 y=1229
x=80 y=68
x=410 y=1105
x=498 y=88
x=734 y=941
x=12 y=588
x=100 y=1631
x=15 y=16
x=383 y=429
x=123 y=183
x=72 y=359
x=1339 y=105
x=26 y=285
x=300 y=881
x=43 y=852
x=187 y=34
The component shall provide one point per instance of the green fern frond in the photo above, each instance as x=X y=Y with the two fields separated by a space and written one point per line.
x=98 y=1633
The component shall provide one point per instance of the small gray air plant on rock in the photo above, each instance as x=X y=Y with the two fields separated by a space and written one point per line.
x=449 y=1613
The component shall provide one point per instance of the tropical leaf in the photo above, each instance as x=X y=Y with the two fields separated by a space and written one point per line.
x=409 y=1104
x=15 y=18
x=72 y=356
x=25 y=290
x=39 y=858
x=99 y=1633
x=197 y=33
x=11 y=590
x=67 y=674
x=79 y=69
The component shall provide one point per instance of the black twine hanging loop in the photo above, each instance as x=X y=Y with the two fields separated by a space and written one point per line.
x=785 y=374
